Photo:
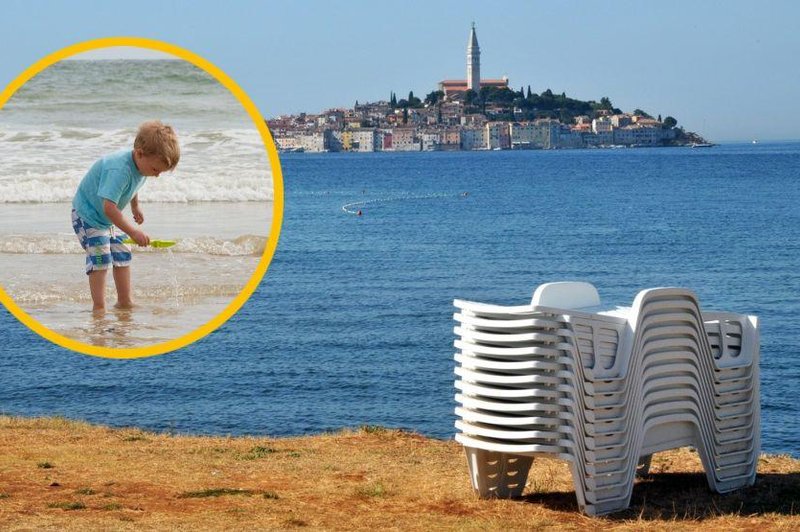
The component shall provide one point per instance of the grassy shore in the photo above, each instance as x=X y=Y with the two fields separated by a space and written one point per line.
x=67 y=475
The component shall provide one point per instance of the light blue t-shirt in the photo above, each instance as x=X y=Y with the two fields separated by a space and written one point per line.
x=114 y=177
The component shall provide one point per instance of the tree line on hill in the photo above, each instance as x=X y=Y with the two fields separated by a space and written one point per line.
x=498 y=103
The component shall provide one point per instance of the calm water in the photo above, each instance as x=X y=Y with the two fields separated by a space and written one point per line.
x=353 y=322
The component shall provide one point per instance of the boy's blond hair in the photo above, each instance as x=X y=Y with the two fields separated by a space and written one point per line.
x=155 y=138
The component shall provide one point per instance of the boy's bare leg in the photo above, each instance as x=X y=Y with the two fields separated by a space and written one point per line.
x=97 y=286
x=122 y=280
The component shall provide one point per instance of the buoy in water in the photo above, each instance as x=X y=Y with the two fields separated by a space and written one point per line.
x=359 y=212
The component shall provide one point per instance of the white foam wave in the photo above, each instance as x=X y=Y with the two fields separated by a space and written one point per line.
x=57 y=244
x=39 y=244
x=164 y=292
x=51 y=190
x=46 y=166
x=239 y=246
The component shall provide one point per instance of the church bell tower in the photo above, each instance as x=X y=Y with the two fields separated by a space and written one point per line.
x=473 y=62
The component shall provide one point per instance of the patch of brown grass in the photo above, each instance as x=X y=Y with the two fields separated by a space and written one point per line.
x=371 y=477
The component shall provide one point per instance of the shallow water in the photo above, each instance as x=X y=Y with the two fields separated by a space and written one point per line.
x=175 y=289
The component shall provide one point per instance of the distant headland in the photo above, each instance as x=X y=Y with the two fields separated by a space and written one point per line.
x=477 y=114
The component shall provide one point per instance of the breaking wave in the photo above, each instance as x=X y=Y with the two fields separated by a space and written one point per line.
x=46 y=166
x=62 y=243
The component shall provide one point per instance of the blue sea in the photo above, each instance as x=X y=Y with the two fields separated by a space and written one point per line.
x=352 y=323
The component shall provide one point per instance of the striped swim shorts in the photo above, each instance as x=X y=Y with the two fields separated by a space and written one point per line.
x=102 y=246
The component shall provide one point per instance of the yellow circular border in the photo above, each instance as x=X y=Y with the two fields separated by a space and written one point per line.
x=277 y=209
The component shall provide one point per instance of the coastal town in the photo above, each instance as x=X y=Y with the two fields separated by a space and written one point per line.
x=476 y=114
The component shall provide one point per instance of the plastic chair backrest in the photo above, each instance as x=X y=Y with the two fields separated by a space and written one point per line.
x=566 y=295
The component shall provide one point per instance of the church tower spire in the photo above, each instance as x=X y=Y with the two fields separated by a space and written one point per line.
x=473 y=62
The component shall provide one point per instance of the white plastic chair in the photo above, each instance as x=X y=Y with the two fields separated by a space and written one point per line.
x=604 y=388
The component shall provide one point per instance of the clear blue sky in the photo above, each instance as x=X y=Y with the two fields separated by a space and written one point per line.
x=727 y=69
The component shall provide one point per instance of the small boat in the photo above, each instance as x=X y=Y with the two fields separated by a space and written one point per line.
x=701 y=145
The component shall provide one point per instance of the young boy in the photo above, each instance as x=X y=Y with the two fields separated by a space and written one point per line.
x=108 y=187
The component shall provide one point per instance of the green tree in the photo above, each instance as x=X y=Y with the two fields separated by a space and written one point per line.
x=413 y=101
x=470 y=97
x=434 y=97
x=497 y=95
x=670 y=122
x=405 y=115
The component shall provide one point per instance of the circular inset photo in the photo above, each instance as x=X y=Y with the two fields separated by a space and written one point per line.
x=140 y=197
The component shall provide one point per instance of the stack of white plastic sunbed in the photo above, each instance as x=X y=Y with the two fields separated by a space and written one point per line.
x=605 y=389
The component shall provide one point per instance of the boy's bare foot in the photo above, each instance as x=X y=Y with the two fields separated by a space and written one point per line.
x=124 y=305
x=98 y=312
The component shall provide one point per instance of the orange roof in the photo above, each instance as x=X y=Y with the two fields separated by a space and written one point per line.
x=483 y=82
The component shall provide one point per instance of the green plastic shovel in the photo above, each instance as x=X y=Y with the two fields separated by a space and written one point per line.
x=153 y=243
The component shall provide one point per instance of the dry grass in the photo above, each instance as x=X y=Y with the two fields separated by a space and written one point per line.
x=120 y=479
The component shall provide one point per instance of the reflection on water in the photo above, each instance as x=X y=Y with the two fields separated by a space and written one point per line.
x=110 y=328
x=173 y=272
x=146 y=323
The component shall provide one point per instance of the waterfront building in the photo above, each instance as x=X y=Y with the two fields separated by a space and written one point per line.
x=569 y=137
x=429 y=140
x=497 y=137
x=602 y=125
x=473 y=138
x=334 y=140
x=547 y=133
x=346 y=139
x=523 y=136
x=363 y=140
x=286 y=143
x=310 y=142
x=601 y=138
x=403 y=139
x=637 y=135
x=450 y=139
x=386 y=139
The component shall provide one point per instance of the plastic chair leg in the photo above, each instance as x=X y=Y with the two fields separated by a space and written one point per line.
x=497 y=475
